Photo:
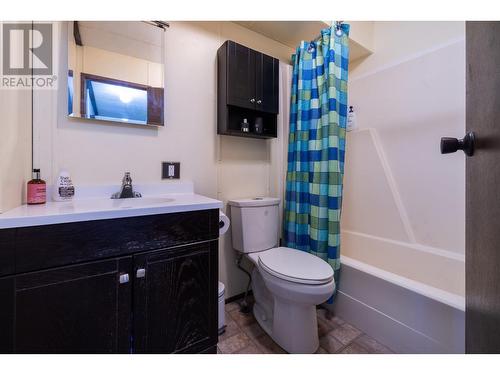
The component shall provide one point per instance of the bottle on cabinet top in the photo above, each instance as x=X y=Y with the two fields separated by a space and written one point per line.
x=37 y=189
x=245 y=126
x=259 y=125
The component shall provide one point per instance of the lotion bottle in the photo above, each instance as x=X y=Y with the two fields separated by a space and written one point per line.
x=63 y=187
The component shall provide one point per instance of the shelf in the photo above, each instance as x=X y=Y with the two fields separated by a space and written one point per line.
x=239 y=133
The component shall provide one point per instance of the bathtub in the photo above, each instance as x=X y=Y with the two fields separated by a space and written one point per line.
x=408 y=296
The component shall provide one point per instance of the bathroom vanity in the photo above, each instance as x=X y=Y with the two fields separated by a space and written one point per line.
x=126 y=276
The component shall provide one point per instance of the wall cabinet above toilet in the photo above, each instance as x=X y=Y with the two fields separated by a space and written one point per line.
x=247 y=88
x=251 y=78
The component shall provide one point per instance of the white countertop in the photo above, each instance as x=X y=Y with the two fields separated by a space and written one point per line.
x=94 y=203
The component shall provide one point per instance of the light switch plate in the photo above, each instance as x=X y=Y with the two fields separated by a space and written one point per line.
x=170 y=170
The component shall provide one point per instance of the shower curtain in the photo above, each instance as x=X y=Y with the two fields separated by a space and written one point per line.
x=318 y=116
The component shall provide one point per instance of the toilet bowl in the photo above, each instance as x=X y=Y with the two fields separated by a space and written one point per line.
x=287 y=283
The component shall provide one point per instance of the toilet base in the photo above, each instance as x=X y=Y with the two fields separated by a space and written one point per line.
x=303 y=337
x=265 y=322
x=292 y=326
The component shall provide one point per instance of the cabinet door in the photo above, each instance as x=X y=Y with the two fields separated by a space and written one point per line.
x=267 y=78
x=175 y=300
x=7 y=309
x=75 y=309
x=240 y=76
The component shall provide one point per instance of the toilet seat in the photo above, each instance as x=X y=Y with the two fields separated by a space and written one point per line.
x=295 y=266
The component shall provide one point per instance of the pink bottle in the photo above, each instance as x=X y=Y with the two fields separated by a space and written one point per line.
x=37 y=189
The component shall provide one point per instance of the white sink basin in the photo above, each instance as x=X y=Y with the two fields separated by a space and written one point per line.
x=138 y=202
x=94 y=203
x=86 y=205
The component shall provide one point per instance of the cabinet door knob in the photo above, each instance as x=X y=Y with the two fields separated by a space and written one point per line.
x=124 y=278
x=252 y=100
x=259 y=101
x=140 y=273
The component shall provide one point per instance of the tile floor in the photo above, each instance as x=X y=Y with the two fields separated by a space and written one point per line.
x=243 y=335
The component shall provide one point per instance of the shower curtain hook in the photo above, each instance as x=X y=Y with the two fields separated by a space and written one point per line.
x=338 y=26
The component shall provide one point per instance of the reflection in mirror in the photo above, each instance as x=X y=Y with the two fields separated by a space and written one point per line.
x=116 y=71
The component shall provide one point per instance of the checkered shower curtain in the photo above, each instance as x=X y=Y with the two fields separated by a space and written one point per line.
x=318 y=116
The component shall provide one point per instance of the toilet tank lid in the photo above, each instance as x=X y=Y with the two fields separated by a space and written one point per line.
x=255 y=202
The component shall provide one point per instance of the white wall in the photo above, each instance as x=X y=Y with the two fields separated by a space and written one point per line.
x=220 y=167
x=407 y=95
x=15 y=146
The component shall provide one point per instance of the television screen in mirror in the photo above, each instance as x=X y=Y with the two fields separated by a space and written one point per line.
x=116 y=71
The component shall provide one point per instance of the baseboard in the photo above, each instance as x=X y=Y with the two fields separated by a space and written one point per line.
x=237 y=297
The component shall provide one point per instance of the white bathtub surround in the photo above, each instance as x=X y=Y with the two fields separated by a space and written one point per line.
x=437 y=268
x=397 y=184
x=94 y=203
x=403 y=214
x=405 y=315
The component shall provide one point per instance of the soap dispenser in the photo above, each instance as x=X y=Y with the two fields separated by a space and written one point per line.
x=37 y=189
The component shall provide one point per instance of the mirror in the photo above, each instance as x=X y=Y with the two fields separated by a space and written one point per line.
x=116 y=71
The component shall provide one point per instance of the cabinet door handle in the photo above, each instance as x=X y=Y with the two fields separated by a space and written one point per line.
x=252 y=100
x=140 y=273
x=259 y=101
x=124 y=278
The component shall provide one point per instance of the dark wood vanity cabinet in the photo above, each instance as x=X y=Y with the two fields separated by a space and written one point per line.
x=75 y=309
x=176 y=300
x=155 y=301
x=248 y=87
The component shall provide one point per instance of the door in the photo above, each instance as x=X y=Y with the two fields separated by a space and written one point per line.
x=240 y=76
x=266 y=79
x=75 y=309
x=175 y=299
x=483 y=188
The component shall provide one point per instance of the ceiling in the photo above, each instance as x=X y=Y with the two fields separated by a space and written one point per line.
x=291 y=33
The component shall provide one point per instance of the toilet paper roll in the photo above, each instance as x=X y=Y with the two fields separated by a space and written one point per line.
x=223 y=223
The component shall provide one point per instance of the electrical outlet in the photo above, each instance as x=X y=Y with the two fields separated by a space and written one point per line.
x=170 y=170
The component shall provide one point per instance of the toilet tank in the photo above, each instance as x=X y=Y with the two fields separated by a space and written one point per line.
x=254 y=223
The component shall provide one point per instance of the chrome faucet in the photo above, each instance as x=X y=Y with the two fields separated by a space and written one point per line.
x=126 y=191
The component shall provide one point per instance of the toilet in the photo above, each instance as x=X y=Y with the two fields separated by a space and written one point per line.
x=287 y=284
